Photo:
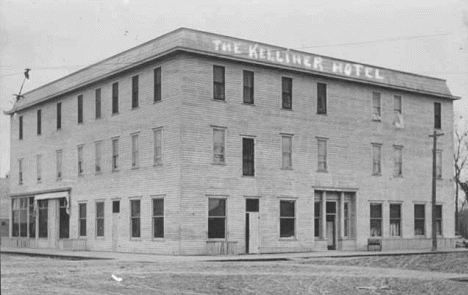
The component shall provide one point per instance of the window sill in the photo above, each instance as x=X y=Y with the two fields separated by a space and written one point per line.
x=375 y=120
x=218 y=164
x=376 y=174
x=115 y=170
x=214 y=240
x=115 y=114
x=135 y=239
x=58 y=179
x=97 y=118
x=322 y=171
x=135 y=108
x=287 y=168
x=288 y=239
x=39 y=181
x=398 y=176
x=80 y=123
x=98 y=173
x=136 y=168
x=220 y=100
x=283 y=109
x=157 y=101
x=322 y=114
x=248 y=176
x=158 y=240
x=81 y=175
x=248 y=104
x=100 y=238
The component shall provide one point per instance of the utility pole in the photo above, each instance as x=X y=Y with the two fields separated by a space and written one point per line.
x=434 y=186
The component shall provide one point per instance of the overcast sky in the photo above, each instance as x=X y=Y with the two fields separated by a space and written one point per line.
x=56 y=38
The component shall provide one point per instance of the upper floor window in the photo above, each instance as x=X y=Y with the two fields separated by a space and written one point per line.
x=286 y=147
x=397 y=104
x=80 y=109
x=157 y=84
x=439 y=164
x=20 y=171
x=135 y=152
x=59 y=115
x=286 y=86
x=97 y=156
x=437 y=115
x=219 y=145
x=218 y=83
x=248 y=87
x=157 y=153
x=321 y=98
x=322 y=154
x=398 y=160
x=115 y=98
x=39 y=122
x=115 y=154
x=376 y=106
x=80 y=160
x=98 y=103
x=135 y=86
x=39 y=168
x=248 y=157
x=58 y=160
x=376 y=159
x=20 y=127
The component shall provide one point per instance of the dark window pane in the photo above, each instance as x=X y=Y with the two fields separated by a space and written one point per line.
x=395 y=210
x=317 y=208
x=376 y=227
x=135 y=227
x=248 y=87
x=158 y=207
x=218 y=82
x=59 y=115
x=43 y=218
x=216 y=228
x=286 y=93
x=376 y=210
x=158 y=227
x=331 y=207
x=157 y=84
x=248 y=161
x=437 y=115
x=39 y=122
x=115 y=206
x=287 y=208
x=115 y=98
x=20 y=127
x=321 y=98
x=135 y=91
x=98 y=103
x=252 y=205
x=100 y=227
x=419 y=211
x=287 y=227
x=32 y=218
x=438 y=211
x=80 y=108
x=217 y=207
x=100 y=209
x=135 y=208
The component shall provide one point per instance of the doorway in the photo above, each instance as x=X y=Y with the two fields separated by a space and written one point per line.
x=115 y=225
x=252 y=217
x=331 y=225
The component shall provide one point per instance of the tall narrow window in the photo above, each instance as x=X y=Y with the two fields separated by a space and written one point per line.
x=287 y=218
x=115 y=98
x=100 y=219
x=97 y=156
x=248 y=157
x=218 y=146
x=346 y=219
x=15 y=217
x=322 y=154
x=157 y=137
x=80 y=109
x=59 y=115
x=39 y=168
x=158 y=218
x=248 y=87
x=157 y=85
x=64 y=226
x=397 y=104
x=32 y=218
x=135 y=90
x=58 y=160
x=20 y=171
x=376 y=220
x=135 y=218
x=376 y=159
x=376 y=106
x=286 y=86
x=82 y=219
x=218 y=83
x=286 y=147
x=135 y=152
x=98 y=103
x=419 y=220
x=39 y=122
x=42 y=206
x=397 y=161
x=439 y=164
x=20 y=217
x=437 y=115
x=216 y=218
x=115 y=154
x=395 y=220
x=20 y=127
x=438 y=219
x=80 y=160
x=321 y=98
x=317 y=219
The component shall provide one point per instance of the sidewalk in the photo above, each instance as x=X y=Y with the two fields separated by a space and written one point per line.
x=136 y=257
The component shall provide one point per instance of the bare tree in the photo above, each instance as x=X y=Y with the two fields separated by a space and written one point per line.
x=460 y=158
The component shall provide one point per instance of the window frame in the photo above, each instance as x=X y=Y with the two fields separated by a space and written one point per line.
x=376 y=109
x=157 y=146
x=39 y=121
x=80 y=109
x=376 y=159
x=97 y=156
x=395 y=220
x=135 y=150
x=212 y=217
x=20 y=127
x=115 y=98
x=395 y=105
x=219 y=87
x=135 y=92
x=317 y=219
x=97 y=104
x=397 y=161
x=286 y=151
x=157 y=81
x=437 y=115
x=99 y=218
x=20 y=171
x=376 y=219
x=59 y=164
x=245 y=158
x=82 y=220
x=39 y=168
x=155 y=217
x=248 y=90
x=438 y=164
x=286 y=93
x=322 y=160
x=322 y=101
x=43 y=211
x=439 y=220
x=219 y=157
x=284 y=218
x=59 y=116
x=115 y=154
x=420 y=219
x=135 y=217
x=80 y=152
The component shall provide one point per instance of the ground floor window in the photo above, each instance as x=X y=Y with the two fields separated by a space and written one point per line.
x=287 y=218
x=346 y=219
x=82 y=220
x=100 y=219
x=135 y=218
x=43 y=213
x=376 y=220
x=419 y=219
x=32 y=218
x=216 y=218
x=158 y=218
x=64 y=219
x=317 y=217
x=395 y=220
x=20 y=217
x=438 y=219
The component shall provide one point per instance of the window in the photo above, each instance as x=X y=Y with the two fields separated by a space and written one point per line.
x=58 y=160
x=157 y=84
x=135 y=86
x=438 y=219
x=20 y=171
x=82 y=220
x=32 y=218
x=322 y=154
x=252 y=205
x=216 y=218
x=115 y=154
x=116 y=206
x=59 y=115
x=39 y=168
x=286 y=86
x=398 y=161
x=376 y=106
x=39 y=122
x=248 y=87
x=219 y=145
x=218 y=83
x=419 y=220
x=20 y=217
x=158 y=218
x=115 y=98
x=97 y=156
x=346 y=219
x=64 y=226
x=321 y=98
x=80 y=109
x=376 y=159
x=80 y=160
x=100 y=219
x=287 y=219
x=397 y=104
x=376 y=220
x=157 y=134
x=135 y=218
x=439 y=164
x=317 y=219
x=437 y=115
x=135 y=152
x=42 y=206
x=20 y=127
x=286 y=146
x=248 y=157
x=395 y=220
x=98 y=103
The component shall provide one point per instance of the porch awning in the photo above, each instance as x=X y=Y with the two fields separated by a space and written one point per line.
x=57 y=195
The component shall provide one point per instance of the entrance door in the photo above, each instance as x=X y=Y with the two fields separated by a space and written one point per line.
x=115 y=225
x=331 y=232
x=252 y=240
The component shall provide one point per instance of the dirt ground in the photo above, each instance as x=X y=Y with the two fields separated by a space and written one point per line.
x=421 y=274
